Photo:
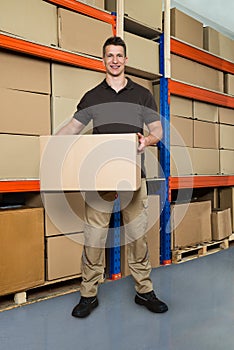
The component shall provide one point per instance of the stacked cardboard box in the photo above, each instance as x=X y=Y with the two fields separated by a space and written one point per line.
x=218 y=44
x=226 y=119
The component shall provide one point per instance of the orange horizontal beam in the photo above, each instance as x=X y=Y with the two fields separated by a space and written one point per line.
x=55 y=54
x=200 y=181
x=195 y=54
x=85 y=9
x=197 y=93
x=20 y=186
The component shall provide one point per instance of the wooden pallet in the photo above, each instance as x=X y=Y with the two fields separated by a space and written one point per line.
x=200 y=250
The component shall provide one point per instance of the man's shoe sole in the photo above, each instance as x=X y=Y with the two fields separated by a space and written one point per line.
x=145 y=303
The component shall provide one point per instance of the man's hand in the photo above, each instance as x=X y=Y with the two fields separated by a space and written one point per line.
x=142 y=142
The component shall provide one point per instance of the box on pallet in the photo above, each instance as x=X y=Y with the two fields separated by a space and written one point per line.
x=226 y=198
x=22 y=249
x=190 y=224
x=221 y=224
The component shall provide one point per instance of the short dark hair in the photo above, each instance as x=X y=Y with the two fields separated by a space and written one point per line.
x=114 y=40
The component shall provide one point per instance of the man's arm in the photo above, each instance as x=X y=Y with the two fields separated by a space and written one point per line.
x=155 y=135
x=73 y=127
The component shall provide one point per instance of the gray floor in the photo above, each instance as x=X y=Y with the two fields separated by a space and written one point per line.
x=199 y=293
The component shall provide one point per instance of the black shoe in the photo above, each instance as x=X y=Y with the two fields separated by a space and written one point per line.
x=85 y=306
x=150 y=301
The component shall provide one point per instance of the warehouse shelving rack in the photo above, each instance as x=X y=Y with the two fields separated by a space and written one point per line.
x=168 y=86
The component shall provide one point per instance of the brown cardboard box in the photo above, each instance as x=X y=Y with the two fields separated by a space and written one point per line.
x=227 y=136
x=64 y=212
x=33 y=20
x=153 y=237
x=22 y=249
x=218 y=43
x=152 y=162
x=205 y=111
x=226 y=115
x=103 y=162
x=78 y=81
x=196 y=74
x=64 y=256
x=186 y=28
x=226 y=200
x=181 y=160
x=24 y=73
x=181 y=131
x=62 y=111
x=181 y=107
x=136 y=46
x=76 y=33
x=229 y=83
x=226 y=162
x=21 y=157
x=191 y=223
x=148 y=12
x=24 y=112
x=206 y=135
x=221 y=224
x=205 y=161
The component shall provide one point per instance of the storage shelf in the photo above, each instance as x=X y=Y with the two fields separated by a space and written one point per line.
x=200 y=181
x=199 y=55
x=138 y=28
x=198 y=93
x=85 y=9
x=19 y=186
x=55 y=54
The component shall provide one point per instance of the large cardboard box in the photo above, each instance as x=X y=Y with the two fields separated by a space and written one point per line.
x=190 y=223
x=76 y=33
x=218 y=43
x=195 y=73
x=221 y=224
x=63 y=256
x=22 y=249
x=153 y=237
x=181 y=159
x=148 y=12
x=226 y=115
x=33 y=20
x=78 y=81
x=143 y=56
x=227 y=162
x=226 y=200
x=181 y=131
x=229 y=83
x=205 y=161
x=64 y=212
x=186 y=28
x=181 y=107
x=90 y=162
x=226 y=136
x=206 y=135
x=24 y=113
x=24 y=73
x=205 y=111
x=21 y=157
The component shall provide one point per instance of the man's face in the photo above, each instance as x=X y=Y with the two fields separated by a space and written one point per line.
x=114 y=60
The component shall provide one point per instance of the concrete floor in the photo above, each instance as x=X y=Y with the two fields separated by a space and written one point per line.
x=199 y=293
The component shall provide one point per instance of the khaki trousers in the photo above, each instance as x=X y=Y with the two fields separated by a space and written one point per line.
x=98 y=210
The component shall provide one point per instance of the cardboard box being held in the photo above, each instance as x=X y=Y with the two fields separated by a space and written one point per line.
x=22 y=249
x=221 y=224
x=90 y=163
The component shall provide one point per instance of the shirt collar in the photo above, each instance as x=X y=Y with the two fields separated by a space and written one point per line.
x=129 y=85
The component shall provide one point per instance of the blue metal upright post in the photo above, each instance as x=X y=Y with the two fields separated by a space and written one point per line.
x=164 y=146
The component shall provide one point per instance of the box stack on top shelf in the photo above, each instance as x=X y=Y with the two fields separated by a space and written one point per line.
x=201 y=125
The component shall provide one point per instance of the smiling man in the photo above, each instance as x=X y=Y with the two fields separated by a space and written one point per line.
x=117 y=105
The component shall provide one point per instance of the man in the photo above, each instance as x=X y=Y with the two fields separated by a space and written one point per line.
x=117 y=105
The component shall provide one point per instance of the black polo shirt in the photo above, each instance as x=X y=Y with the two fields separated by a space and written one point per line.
x=114 y=112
